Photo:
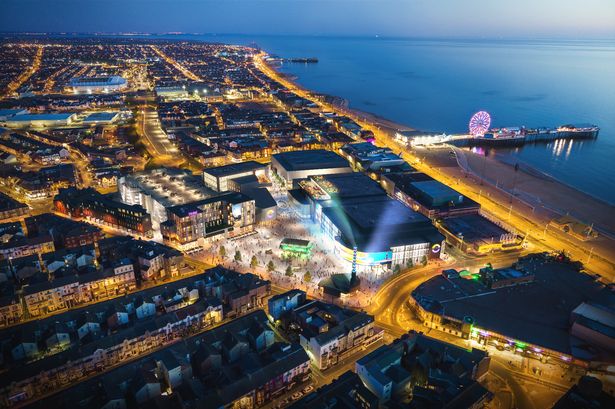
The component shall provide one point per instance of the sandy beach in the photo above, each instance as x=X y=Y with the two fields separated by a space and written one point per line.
x=535 y=201
x=545 y=193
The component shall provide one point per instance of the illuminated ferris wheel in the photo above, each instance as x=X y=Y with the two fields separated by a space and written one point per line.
x=479 y=123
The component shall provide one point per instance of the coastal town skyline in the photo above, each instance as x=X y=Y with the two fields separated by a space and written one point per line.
x=328 y=215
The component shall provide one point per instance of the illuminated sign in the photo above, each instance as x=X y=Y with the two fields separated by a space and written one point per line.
x=436 y=248
x=364 y=259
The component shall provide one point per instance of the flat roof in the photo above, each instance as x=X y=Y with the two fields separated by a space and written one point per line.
x=377 y=225
x=311 y=159
x=435 y=189
x=10 y=112
x=428 y=191
x=347 y=185
x=100 y=116
x=184 y=209
x=537 y=313
x=369 y=151
x=41 y=117
x=473 y=227
x=97 y=81
x=233 y=169
x=262 y=197
x=170 y=186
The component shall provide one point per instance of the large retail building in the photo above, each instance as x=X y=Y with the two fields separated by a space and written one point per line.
x=291 y=167
x=356 y=213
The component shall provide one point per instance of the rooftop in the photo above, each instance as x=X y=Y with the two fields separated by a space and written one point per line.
x=442 y=363
x=379 y=224
x=348 y=185
x=235 y=168
x=42 y=117
x=537 y=313
x=473 y=228
x=436 y=189
x=96 y=81
x=325 y=322
x=371 y=155
x=311 y=159
x=348 y=392
x=100 y=116
x=169 y=186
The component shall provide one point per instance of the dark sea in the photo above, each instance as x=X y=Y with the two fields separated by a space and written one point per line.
x=436 y=85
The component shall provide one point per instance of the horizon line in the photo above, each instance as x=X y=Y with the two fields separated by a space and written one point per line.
x=322 y=35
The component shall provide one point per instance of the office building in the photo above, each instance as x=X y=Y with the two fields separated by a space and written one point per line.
x=190 y=224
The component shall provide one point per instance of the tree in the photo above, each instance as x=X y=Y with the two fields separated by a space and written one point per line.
x=222 y=252
x=307 y=277
x=409 y=263
x=270 y=266
x=237 y=255
x=424 y=261
x=253 y=262
x=289 y=271
x=396 y=269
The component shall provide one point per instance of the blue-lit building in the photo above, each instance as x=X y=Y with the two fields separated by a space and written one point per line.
x=356 y=213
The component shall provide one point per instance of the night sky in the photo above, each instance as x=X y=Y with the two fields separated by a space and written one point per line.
x=420 y=18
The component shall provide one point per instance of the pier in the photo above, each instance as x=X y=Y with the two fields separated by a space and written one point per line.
x=511 y=136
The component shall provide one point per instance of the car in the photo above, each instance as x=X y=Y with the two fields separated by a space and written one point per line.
x=297 y=395
x=308 y=389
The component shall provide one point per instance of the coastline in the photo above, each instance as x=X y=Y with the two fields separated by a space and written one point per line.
x=391 y=126
x=364 y=116
x=527 y=168
x=541 y=190
x=531 y=218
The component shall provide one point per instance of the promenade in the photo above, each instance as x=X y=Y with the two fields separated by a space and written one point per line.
x=597 y=255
